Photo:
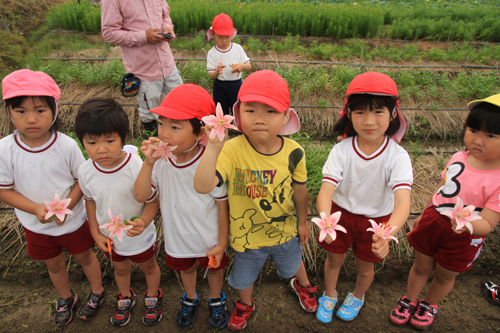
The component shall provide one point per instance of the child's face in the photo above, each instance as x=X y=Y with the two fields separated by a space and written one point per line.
x=177 y=133
x=260 y=122
x=371 y=125
x=223 y=42
x=33 y=118
x=482 y=145
x=105 y=150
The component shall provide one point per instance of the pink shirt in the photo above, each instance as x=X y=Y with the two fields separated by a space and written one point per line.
x=124 y=22
x=480 y=188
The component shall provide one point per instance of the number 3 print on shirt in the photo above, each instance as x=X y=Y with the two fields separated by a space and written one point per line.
x=451 y=188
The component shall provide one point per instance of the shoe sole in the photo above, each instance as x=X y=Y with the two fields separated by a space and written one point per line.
x=161 y=315
x=70 y=318
x=90 y=318
x=128 y=320
x=486 y=293
x=300 y=301
x=397 y=324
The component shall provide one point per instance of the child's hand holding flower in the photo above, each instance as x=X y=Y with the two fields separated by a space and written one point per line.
x=462 y=217
x=381 y=237
x=138 y=225
x=116 y=226
x=154 y=149
x=217 y=125
x=328 y=225
x=57 y=209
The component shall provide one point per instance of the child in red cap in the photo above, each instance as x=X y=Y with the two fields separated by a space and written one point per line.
x=266 y=176
x=367 y=177
x=225 y=62
x=195 y=226
x=38 y=161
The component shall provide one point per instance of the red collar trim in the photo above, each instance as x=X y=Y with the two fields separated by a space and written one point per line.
x=225 y=51
x=24 y=147
x=196 y=158
x=118 y=168
x=374 y=155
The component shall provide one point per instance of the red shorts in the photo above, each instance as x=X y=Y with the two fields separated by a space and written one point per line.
x=43 y=247
x=434 y=237
x=137 y=258
x=356 y=235
x=182 y=264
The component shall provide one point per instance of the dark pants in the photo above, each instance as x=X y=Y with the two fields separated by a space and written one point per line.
x=226 y=93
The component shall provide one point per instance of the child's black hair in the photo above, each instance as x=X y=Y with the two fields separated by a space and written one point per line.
x=195 y=123
x=361 y=101
x=16 y=102
x=484 y=117
x=100 y=116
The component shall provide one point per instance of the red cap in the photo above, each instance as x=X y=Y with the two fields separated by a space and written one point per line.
x=186 y=101
x=25 y=82
x=375 y=83
x=269 y=88
x=222 y=25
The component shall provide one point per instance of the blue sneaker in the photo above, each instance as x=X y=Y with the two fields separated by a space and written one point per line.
x=325 y=309
x=185 y=316
x=218 y=312
x=350 y=308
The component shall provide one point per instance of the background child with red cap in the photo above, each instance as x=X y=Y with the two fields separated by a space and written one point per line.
x=37 y=161
x=268 y=198
x=472 y=179
x=195 y=226
x=102 y=126
x=366 y=176
x=225 y=62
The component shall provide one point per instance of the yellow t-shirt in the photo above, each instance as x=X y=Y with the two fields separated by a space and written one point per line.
x=261 y=206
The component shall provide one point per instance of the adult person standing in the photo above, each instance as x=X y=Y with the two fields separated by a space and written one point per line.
x=135 y=26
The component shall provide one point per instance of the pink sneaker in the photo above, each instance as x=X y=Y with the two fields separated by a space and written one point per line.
x=424 y=316
x=403 y=312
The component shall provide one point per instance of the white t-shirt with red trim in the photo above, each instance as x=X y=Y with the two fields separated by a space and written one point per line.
x=38 y=173
x=480 y=188
x=190 y=219
x=365 y=184
x=114 y=189
x=233 y=55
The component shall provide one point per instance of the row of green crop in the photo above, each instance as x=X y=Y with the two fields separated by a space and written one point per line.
x=363 y=20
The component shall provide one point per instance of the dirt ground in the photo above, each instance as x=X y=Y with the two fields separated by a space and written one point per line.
x=26 y=292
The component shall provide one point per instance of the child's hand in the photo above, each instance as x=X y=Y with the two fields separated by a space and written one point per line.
x=215 y=140
x=237 y=68
x=220 y=68
x=137 y=229
x=304 y=233
x=102 y=242
x=380 y=246
x=40 y=213
x=328 y=239
x=59 y=222
x=148 y=151
x=454 y=227
x=218 y=253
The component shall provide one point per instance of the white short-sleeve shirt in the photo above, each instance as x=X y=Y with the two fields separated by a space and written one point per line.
x=365 y=185
x=233 y=55
x=38 y=173
x=114 y=189
x=190 y=219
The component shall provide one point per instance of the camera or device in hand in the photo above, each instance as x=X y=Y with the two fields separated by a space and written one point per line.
x=166 y=35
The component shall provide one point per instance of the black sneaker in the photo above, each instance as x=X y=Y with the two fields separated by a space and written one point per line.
x=123 y=309
x=64 y=309
x=490 y=292
x=89 y=309
x=151 y=127
x=152 y=309
x=185 y=316
x=218 y=311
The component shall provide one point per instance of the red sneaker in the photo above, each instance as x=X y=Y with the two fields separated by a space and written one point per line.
x=306 y=295
x=423 y=318
x=403 y=312
x=239 y=318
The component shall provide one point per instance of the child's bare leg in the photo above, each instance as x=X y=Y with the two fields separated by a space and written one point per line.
x=333 y=264
x=188 y=278
x=419 y=274
x=365 y=277
x=441 y=285
x=153 y=276
x=301 y=275
x=122 y=276
x=215 y=281
x=246 y=295
x=92 y=270
x=59 y=275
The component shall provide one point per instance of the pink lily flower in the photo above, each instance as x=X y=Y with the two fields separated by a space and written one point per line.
x=382 y=230
x=58 y=208
x=219 y=123
x=116 y=225
x=163 y=151
x=463 y=216
x=328 y=225
x=220 y=61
